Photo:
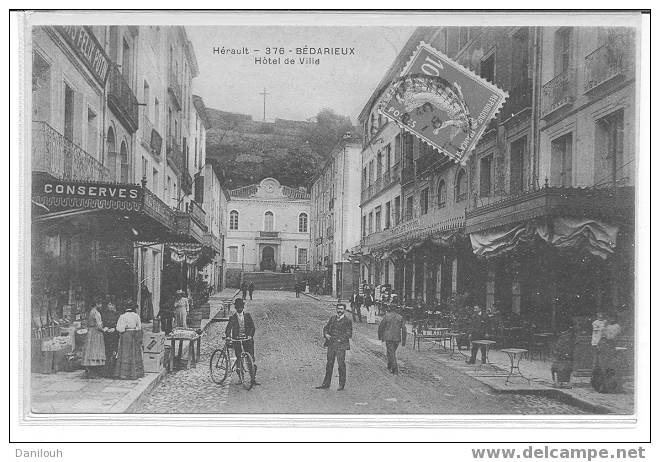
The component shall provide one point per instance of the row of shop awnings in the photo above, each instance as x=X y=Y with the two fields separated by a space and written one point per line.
x=122 y=210
x=582 y=221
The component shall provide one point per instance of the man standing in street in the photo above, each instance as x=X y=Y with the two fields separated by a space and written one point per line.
x=337 y=333
x=241 y=325
x=392 y=330
x=244 y=288
x=478 y=330
x=356 y=305
x=251 y=288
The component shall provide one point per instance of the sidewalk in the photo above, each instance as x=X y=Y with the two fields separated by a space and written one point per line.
x=70 y=392
x=581 y=394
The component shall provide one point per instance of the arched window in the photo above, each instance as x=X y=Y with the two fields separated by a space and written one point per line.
x=461 y=186
x=111 y=158
x=233 y=220
x=302 y=223
x=123 y=155
x=268 y=221
x=442 y=194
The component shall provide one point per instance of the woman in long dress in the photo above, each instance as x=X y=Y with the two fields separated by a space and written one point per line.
x=93 y=358
x=110 y=336
x=129 y=356
x=180 y=309
x=370 y=307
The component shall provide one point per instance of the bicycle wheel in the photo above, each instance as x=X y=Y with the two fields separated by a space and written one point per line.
x=219 y=366
x=248 y=370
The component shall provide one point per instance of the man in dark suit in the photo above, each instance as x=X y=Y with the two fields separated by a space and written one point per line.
x=337 y=333
x=478 y=330
x=241 y=325
x=392 y=330
x=356 y=301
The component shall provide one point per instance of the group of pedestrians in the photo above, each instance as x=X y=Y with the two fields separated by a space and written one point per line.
x=247 y=287
x=339 y=330
x=113 y=344
x=357 y=301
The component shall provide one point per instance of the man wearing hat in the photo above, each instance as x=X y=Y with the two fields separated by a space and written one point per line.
x=241 y=325
x=392 y=330
x=337 y=333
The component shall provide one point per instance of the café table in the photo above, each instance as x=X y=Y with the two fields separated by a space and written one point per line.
x=515 y=355
x=441 y=334
x=453 y=342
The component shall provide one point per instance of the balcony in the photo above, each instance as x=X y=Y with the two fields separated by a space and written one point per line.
x=607 y=203
x=150 y=139
x=154 y=207
x=174 y=87
x=606 y=63
x=174 y=154
x=269 y=235
x=558 y=92
x=53 y=154
x=420 y=228
x=191 y=225
x=198 y=214
x=520 y=98
x=122 y=100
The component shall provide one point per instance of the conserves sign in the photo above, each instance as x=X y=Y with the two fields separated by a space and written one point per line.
x=88 y=190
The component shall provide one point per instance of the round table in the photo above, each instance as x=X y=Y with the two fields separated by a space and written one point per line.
x=515 y=355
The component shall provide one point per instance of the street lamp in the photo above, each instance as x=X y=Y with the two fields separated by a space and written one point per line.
x=295 y=255
x=243 y=258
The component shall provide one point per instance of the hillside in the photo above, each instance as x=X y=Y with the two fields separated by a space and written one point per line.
x=288 y=150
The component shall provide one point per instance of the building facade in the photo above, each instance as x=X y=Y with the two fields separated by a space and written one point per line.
x=540 y=219
x=267 y=226
x=106 y=218
x=335 y=217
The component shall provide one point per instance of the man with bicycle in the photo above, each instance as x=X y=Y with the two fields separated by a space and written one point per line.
x=241 y=325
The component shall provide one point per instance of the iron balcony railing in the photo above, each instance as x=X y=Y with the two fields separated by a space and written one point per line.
x=151 y=139
x=605 y=63
x=158 y=209
x=174 y=153
x=558 y=92
x=198 y=214
x=174 y=86
x=122 y=100
x=52 y=153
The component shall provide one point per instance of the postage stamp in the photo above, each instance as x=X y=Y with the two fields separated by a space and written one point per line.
x=442 y=102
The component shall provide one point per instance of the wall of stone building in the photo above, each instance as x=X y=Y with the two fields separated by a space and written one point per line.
x=88 y=93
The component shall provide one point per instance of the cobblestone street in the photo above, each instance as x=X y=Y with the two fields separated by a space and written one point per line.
x=291 y=363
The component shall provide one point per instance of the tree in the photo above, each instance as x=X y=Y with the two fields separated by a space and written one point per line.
x=328 y=129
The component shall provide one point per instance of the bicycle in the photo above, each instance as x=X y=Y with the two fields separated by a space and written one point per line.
x=221 y=364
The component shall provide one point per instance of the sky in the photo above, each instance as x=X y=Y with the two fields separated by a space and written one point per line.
x=340 y=82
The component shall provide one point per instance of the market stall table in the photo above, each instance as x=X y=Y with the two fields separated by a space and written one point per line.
x=193 y=339
x=515 y=355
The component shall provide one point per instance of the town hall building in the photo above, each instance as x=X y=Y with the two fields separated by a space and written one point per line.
x=268 y=225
